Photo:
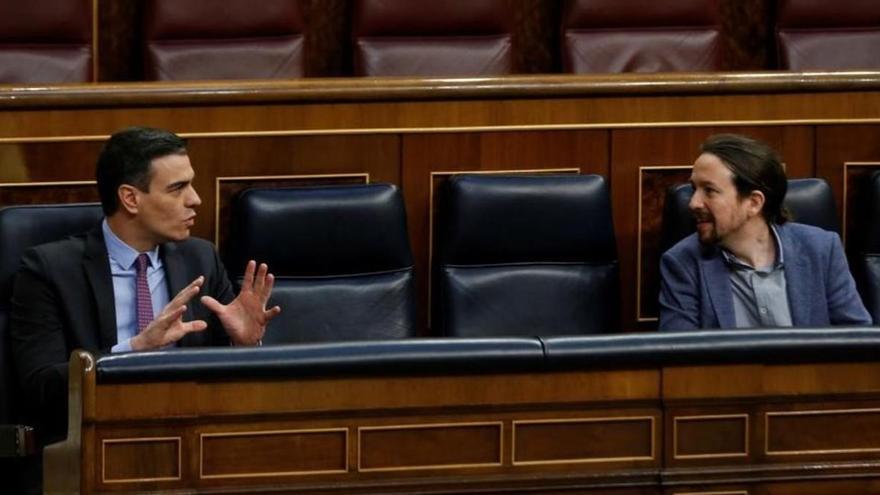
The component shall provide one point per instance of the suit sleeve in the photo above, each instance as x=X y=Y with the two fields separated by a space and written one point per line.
x=845 y=306
x=679 y=297
x=39 y=347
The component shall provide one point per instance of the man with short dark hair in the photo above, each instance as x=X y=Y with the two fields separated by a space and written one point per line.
x=130 y=283
x=747 y=266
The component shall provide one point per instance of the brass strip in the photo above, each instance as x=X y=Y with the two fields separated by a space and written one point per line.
x=846 y=166
x=431 y=175
x=813 y=412
x=105 y=441
x=740 y=492
x=590 y=460
x=202 y=437
x=676 y=419
x=219 y=179
x=498 y=424
x=639 y=317
x=464 y=129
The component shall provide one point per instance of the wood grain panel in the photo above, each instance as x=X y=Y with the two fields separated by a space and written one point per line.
x=586 y=440
x=243 y=454
x=710 y=436
x=129 y=460
x=48 y=193
x=423 y=154
x=409 y=447
x=842 y=431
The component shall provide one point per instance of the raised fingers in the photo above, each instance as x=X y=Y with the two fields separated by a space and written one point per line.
x=187 y=292
x=248 y=282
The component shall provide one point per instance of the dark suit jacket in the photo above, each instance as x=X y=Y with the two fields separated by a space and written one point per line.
x=63 y=300
x=695 y=283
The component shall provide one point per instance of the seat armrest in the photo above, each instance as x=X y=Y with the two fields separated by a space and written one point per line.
x=17 y=441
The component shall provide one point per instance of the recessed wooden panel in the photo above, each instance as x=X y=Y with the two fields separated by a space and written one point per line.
x=129 y=460
x=707 y=437
x=228 y=187
x=48 y=193
x=653 y=183
x=273 y=453
x=823 y=432
x=583 y=440
x=388 y=448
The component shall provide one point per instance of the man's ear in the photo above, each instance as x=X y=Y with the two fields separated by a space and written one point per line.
x=756 y=202
x=129 y=198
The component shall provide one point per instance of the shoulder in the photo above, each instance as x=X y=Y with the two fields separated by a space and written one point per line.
x=687 y=249
x=61 y=252
x=192 y=246
x=807 y=236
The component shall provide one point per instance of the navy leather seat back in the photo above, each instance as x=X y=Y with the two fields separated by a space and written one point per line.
x=870 y=252
x=525 y=255
x=809 y=201
x=341 y=257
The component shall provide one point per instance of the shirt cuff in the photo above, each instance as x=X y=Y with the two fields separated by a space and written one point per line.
x=122 y=347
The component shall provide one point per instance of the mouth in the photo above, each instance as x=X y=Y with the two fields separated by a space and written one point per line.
x=189 y=222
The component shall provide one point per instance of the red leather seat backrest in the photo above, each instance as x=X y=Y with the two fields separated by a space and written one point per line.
x=830 y=35
x=607 y=36
x=229 y=39
x=436 y=38
x=46 y=41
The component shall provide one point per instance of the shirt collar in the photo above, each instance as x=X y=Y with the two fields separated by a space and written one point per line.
x=121 y=252
x=731 y=259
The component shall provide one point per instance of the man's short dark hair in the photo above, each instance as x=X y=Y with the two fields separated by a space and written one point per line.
x=126 y=158
x=755 y=167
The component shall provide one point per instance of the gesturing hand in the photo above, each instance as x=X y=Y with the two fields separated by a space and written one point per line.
x=169 y=326
x=245 y=318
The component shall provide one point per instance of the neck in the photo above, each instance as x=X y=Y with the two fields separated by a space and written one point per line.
x=753 y=243
x=126 y=230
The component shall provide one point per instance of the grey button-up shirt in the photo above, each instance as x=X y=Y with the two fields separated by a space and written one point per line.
x=759 y=294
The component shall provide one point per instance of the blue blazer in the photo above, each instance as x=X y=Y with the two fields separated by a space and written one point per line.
x=695 y=288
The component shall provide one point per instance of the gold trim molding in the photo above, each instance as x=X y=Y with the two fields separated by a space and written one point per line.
x=817 y=412
x=677 y=419
x=106 y=441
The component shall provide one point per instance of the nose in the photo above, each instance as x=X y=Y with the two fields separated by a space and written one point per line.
x=193 y=198
x=696 y=201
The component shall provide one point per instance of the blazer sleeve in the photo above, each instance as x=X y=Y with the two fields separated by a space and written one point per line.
x=39 y=347
x=845 y=306
x=679 y=296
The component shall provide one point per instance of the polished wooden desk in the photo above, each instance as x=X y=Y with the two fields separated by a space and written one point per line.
x=785 y=422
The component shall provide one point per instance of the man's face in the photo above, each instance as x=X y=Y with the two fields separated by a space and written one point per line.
x=166 y=213
x=717 y=207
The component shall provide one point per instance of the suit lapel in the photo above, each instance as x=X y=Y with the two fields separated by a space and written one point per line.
x=796 y=278
x=176 y=275
x=97 y=268
x=717 y=284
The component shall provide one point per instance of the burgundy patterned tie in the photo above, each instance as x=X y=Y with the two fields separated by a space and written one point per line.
x=143 y=301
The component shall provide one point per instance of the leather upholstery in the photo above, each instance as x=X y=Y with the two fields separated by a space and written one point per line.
x=460 y=356
x=437 y=38
x=20 y=228
x=45 y=41
x=870 y=252
x=341 y=257
x=525 y=255
x=205 y=39
x=817 y=34
x=809 y=201
x=600 y=36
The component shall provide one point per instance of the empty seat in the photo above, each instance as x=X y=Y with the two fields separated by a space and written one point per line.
x=438 y=38
x=809 y=201
x=600 y=36
x=607 y=36
x=341 y=257
x=525 y=255
x=22 y=227
x=46 y=41
x=818 y=34
x=233 y=39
